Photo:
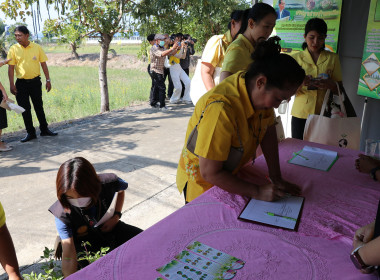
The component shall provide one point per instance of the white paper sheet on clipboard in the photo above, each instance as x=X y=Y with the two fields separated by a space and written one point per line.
x=110 y=211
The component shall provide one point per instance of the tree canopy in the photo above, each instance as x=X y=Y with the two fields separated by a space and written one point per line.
x=200 y=18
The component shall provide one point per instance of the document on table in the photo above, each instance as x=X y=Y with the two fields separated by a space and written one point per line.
x=315 y=158
x=110 y=211
x=281 y=213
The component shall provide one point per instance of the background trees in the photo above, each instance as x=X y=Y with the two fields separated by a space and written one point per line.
x=104 y=18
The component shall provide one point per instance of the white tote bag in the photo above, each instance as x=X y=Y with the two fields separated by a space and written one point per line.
x=343 y=132
x=197 y=87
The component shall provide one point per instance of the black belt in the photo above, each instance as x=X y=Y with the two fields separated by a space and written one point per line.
x=30 y=80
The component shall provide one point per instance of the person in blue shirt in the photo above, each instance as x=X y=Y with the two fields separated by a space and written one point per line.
x=83 y=200
x=282 y=12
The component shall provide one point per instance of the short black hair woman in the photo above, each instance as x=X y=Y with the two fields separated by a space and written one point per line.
x=323 y=71
x=83 y=200
x=231 y=120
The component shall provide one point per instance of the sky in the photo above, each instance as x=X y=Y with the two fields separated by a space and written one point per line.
x=29 y=20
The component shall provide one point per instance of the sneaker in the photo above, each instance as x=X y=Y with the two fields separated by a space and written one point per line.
x=175 y=102
x=155 y=105
x=187 y=101
x=165 y=109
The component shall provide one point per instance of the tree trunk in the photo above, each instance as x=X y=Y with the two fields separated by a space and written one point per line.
x=74 y=50
x=104 y=98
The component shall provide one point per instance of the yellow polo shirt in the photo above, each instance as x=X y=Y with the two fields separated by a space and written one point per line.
x=2 y=216
x=27 y=60
x=215 y=49
x=238 y=55
x=308 y=102
x=217 y=131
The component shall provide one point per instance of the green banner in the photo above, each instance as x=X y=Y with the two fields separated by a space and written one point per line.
x=369 y=80
x=292 y=16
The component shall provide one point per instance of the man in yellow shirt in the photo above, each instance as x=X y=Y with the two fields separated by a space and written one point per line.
x=8 y=257
x=26 y=58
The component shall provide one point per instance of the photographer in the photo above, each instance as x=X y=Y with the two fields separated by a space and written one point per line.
x=185 y=63
x=176 y=72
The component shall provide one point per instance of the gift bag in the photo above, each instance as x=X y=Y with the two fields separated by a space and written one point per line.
x=339 y=131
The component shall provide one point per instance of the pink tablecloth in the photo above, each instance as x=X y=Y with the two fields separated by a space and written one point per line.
x=337 y=202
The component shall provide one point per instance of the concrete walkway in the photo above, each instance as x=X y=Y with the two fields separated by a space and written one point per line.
x=139 y=144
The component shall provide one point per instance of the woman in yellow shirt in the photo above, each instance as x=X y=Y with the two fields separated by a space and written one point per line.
x=231 y=120
x=323 y=71
x=256 y=27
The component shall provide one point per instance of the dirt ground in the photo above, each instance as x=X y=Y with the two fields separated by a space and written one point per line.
x=122 y=61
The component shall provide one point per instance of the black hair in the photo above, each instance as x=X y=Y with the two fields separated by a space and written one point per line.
x=150 y=37
x=281 y=70
x=315 y=24
x=22 y=29
x=279 y=1
x=236 y=15
x=186 y=36
x=179 y=35
x=256 y=13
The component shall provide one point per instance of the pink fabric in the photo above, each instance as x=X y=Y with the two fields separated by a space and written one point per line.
x=337 y=202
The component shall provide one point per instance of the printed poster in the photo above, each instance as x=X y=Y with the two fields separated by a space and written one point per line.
x=369 y=80
x=292 y=16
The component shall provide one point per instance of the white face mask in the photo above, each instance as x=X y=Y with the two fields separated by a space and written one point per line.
x=80 y=202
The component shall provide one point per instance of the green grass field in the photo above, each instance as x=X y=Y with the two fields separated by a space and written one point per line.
x=75 y=93
x=131 y=49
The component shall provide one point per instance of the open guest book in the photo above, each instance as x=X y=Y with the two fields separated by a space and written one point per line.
x=316 y=158
x=281 y=213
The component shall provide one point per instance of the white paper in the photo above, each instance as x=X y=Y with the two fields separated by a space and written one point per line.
x=14 y=107
x=315 y=158
x=290 y=207
x=109 y=214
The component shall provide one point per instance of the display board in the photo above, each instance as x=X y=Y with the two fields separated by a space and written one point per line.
x=292 y=16
x=369 y=80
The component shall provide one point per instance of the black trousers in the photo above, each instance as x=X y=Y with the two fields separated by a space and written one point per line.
x=153 y=95
x=298 y=126
x=159 y=83
x=3 y=115
x=187 y=71
x=31 y=88
x=121 y=233
x=170 y=86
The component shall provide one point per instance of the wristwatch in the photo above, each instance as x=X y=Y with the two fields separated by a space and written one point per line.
x=48 y=80
x=373 y=173
x=117 y=213
x=357 y=260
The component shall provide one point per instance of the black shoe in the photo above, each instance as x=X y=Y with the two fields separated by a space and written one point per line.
x=28 y=137
x=48 y=132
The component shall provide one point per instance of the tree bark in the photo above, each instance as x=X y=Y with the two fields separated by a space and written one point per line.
x=105 y=42
x=74 y=50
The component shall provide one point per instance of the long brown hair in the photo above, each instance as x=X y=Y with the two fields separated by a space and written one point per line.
x=77 y=174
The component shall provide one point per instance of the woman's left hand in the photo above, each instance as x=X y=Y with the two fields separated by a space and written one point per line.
x=110 y=224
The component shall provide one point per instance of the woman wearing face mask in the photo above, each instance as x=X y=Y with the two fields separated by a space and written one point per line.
x=323 y=71
x=83 y=199
x=256 y=27
x=231 y=120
